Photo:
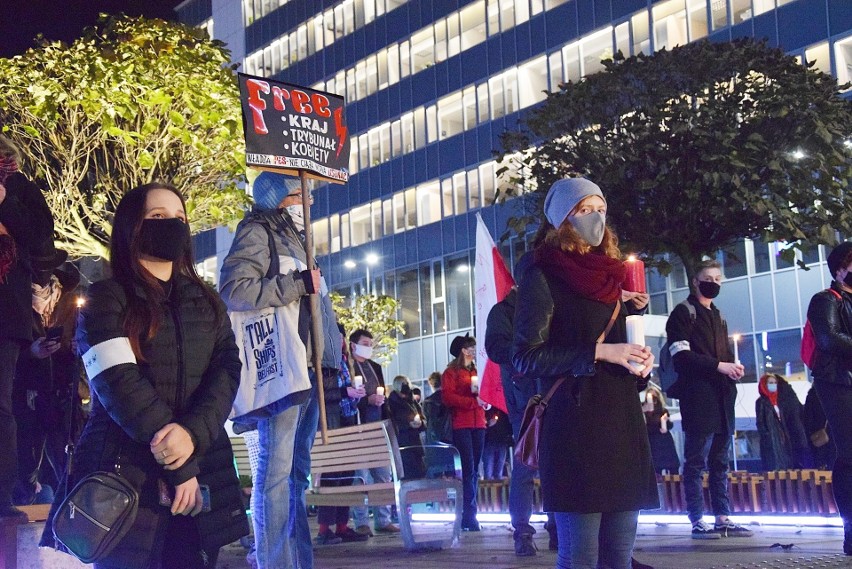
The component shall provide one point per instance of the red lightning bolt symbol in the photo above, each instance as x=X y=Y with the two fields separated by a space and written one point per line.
x=340 y=128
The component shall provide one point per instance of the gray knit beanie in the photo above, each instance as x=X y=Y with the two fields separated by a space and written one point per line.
x=564 y=195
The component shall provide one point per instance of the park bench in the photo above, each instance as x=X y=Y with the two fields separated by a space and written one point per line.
x=373 y=445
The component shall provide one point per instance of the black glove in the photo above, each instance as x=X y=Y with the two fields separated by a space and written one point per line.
x=306 y=278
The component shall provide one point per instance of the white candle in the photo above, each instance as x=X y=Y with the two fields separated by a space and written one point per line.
x=474 y=384
x=636 y=334
x=736 y=348
x=380 y=391
x=357 y=381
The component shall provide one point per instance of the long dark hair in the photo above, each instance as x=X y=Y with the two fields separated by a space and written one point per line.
x=144 y=315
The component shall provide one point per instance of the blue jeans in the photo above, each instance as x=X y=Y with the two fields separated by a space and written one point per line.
x=470 y=443
x=381 y=514
x=300 y=533
x=271 y=493
x=589 y=541
x=494 y=460
x=521 y=485
x=714 y=450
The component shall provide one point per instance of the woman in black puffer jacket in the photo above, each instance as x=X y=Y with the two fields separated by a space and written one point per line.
x=164 y=369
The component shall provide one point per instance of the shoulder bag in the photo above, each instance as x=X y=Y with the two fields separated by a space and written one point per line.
x=526 y=448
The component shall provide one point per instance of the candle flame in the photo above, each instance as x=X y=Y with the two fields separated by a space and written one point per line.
x=631 y=258
x=80 y=301
x=736 y=337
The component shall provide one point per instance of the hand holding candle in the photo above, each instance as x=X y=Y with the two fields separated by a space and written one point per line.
x=474 y=384
x=634 y=279
x=736 y=348
x=636 y=335
x=357 y=381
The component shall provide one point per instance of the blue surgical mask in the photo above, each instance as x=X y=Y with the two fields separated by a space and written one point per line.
x=590 y=227
x=771 y=387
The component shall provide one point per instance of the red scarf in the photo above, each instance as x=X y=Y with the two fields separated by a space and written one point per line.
x=8 y=166
x=592 y=275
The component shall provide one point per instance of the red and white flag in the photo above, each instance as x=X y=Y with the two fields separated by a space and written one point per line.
x=492 y=282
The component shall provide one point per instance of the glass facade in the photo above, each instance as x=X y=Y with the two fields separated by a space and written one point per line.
x=429 y=88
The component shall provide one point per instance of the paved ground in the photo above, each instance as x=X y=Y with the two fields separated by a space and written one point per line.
x=664 y=547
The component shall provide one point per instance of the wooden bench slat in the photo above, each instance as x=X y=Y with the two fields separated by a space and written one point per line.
x=342 y=457
x=357 y=489
x=354 y=446
x=348 y=467
x=364 y=428
x=351 y=438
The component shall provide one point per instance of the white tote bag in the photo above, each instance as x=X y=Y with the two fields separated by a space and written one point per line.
x=275 y=367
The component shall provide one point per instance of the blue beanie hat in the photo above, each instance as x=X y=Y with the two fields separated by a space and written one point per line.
x=564 y=195
x=269 y=188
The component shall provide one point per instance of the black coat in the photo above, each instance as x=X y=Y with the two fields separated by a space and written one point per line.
x=831 y=321
x=814 y=419
x=775 y=451
x=791 y=414
x=707 y=403
x=663 y=449
x=594 y=454
x=30 y=225
x=190 y=376
x=402 y=411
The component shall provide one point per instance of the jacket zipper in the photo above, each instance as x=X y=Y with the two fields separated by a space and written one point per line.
x=74 y=509
x=179 y=391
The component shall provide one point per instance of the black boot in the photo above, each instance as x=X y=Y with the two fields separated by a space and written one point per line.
x=847 y=538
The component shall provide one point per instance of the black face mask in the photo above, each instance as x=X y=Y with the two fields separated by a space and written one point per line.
x=847 y=280
x=709 y=289
x=165 y=239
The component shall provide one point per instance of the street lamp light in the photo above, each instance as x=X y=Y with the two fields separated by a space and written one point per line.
x=370 y=259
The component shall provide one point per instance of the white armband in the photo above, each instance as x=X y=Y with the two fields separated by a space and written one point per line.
x=108 y=354
x=679 y=346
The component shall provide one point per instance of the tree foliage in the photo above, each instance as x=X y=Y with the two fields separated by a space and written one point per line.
x=377 y=315
x=133 y=101
x=699 y=147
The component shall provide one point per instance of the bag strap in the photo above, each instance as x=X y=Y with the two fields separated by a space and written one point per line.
x=835 y=293
x=611 y=322
x=600 y=339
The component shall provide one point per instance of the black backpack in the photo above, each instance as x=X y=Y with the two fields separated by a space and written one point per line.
x=666 y=371
x=439 y=420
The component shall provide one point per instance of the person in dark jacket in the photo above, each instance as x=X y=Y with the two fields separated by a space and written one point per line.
x=26 y=231
x=822 y=448
x=791 y=413
x=775 y=450
x=702 y=357
x=594 y=457
x=407 y=417
x=161 y=359
x=499 y=333
x=659 y=431
x=460 y=394
x=830 y=315
x=498 y=439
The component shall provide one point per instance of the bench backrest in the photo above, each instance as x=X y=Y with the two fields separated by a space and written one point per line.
x=370 y=445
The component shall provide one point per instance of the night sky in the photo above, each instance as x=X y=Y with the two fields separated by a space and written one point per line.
x=22 y=20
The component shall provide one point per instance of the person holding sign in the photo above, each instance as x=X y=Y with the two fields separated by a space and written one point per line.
x=266 y=283
x=161 y=360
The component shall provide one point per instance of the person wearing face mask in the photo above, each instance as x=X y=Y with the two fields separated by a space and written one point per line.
x=775 y=449
x=570 y=332
x=160 y=357
x=702 y=357
x=266 y=268
x=830 y=315
x=370 y=409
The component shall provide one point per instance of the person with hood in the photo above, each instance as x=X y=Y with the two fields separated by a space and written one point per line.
x=792 y=412
x=160 y=356
x=830 y=315
x=775 y=450
x=460 y=393
x=659 y=430
x=267 y=268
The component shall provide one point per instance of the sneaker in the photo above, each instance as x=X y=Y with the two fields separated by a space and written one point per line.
x=702 y=530
x=349 y=535
x=473 y=526
x=327 y=538
x=730 y=529
x=524 y=545
x=390 y=528
x=364 y=530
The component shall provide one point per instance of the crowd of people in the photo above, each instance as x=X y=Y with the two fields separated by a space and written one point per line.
x=163 y=365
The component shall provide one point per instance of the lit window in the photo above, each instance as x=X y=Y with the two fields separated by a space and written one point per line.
x=382 y=65
x=571 y=60
x=453 y=37
x=376 y=219
x=622 y=38
x=719 y=13
x=460 y=191
x=440 y=29
x=320 y=231
x=761 y=6
x=361 y=225
x=410 y=209
x=432 y=123
x=482 y=102
x=450 y=115
x=384 y=143
x=554 y=61
x=447 y=196
x=641 y=33
x=474 y=190
x=469 y=107
x=387 y=215
x=344 y=231
x=422 y=50
x=740 y=11
x=493 y=17
x=428 y=204
x=697 y=19
x=488 y=182
x=473 y=24
x=843 y=59
x=495 y=90
x=372 y=75
x=670 y=24
x=522 y=12
x=819 y=54
x=396 y=138
x=393 y=64
x=407 y=121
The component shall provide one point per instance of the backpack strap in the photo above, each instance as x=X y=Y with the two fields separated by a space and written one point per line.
x=835 y=293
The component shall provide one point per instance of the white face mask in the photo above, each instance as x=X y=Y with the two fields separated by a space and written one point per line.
x=361 y=351
x=297 y=215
